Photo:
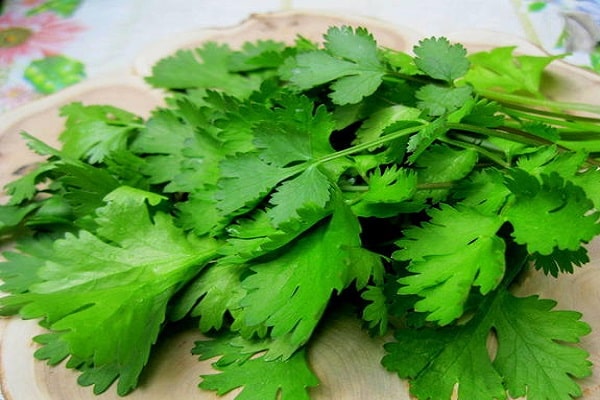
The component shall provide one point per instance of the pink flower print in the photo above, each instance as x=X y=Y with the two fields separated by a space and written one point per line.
x=15 y=95
x=34 y=36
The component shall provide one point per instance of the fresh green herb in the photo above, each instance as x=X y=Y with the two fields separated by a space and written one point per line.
x=281 y=176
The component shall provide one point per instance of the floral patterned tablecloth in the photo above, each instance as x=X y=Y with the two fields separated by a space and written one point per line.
x=46 y=45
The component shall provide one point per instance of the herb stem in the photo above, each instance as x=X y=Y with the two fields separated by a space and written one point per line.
x=486 y=153
x=530 y=101
x=576 y=126
x=504 y=133
x=368 y=145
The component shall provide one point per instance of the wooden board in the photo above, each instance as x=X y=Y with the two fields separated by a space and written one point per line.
x=346 y=360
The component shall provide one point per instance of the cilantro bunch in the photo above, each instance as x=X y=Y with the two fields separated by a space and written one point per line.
x=281 y=183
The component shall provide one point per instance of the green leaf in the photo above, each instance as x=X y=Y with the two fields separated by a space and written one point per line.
x=570 y=166
x=118 y=283
x=297 y=131
x=290 y=292
x=19 y=269
x=455 y=250
x=401 y=61
x=485 y=113
x=484 y=190
x=536 y=6
x=542 y=130
x=261 y=54
x=439 y=59
x=500 y=69
x=534 y=348
x=199 y=212
x=257 y=377
x=376 y=312
x=548 y=206
x=85 y=185
x=12 y=216
x=211 y=296
x=421 y=141
x=438 y=100
x=246 y=180
x=560 y=261
x=207 y=67
x=393 y=185
x=349 y=60
x=375 y=125
x=163 y=141
x=311 y=190
x=439 y=166
x=94 y=132
x=25 y=187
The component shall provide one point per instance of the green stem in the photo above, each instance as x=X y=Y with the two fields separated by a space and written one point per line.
x=573 y=126
x=555 y=115
x=530 y=101
x=503 y=133
x=486 y=153
x=368 y=145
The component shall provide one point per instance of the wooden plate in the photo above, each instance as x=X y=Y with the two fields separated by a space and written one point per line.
x=346 y=360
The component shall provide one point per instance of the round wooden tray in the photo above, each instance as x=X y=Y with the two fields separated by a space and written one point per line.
x=346 y=360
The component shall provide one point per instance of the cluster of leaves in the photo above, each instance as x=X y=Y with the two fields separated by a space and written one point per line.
x=278 y=177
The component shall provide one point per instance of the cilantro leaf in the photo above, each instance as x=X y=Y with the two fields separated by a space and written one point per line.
x=349 y=61
x=440 y=165
x=290 y=292
x=533 y=350
x=438 y=100
x=560 y=261
x=542 y=130
x=93 y=132
x=570 y=166
x=262 y=54
x=420 y=141
x=376 y=312
x=484 y=190
x=245 y=180
x=393 y=185
x=207 y=67
x=439 y=59
x=211 y=296
x=458 y=248
x=25 y=187
x=312 y=189
x=287 y=379
x=485 y=113
x=163 y=141
x=298 y=131
x=130 y=251
x=386 y=188
x=19 y=269
x=549 y=205
x=377 y=122
x=12 y=216
x=500 y=69
x=531 y=334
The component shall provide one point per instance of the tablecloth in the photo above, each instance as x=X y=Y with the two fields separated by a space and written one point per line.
x=47 y=45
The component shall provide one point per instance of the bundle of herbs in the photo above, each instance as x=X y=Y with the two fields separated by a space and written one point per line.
x=281 y=180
